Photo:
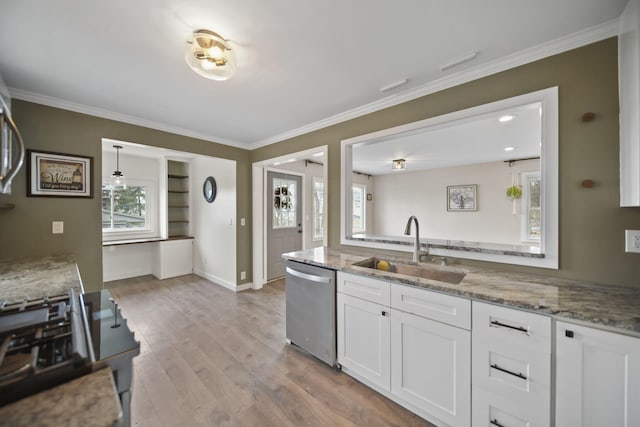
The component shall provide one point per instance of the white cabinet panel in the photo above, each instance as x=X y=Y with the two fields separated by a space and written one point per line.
x=494 y=410
x=363 y=339
x=365 y=287
x=597 y=378
x=515 y=328
x=431 y=366
x=172 y=258
x=433 y=305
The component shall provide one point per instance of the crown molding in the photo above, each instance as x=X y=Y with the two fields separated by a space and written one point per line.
x=554 y=47
x=112 y=115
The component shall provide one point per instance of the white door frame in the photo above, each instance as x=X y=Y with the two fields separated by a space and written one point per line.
x=259 y=209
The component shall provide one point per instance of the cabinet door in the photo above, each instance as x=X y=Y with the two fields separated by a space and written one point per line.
x=431 y=367
x=363 y=340
x=597 y=378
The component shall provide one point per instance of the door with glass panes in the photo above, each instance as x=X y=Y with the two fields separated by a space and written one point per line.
x=284 y=219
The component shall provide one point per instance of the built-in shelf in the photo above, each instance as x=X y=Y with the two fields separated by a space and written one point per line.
x=178 y=198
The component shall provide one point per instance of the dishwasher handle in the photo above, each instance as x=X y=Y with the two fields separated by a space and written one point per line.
x=307 y=276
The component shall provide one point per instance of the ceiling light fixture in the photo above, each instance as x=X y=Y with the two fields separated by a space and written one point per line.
x=509 y=148
x=117 y=178
x=507 y=118
x=399 y=164
x=210 y=56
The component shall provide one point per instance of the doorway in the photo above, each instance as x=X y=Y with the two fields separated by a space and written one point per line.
x=284 y=219
x=312 y=165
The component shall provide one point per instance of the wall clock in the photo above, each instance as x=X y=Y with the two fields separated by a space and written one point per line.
x=209 y=189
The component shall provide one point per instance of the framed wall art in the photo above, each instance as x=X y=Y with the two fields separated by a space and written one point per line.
x=462 y=198
x=59 y=175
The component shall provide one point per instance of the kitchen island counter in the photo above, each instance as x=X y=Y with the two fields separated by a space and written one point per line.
x=37 y=277
x=90 y=400
x=610 y=307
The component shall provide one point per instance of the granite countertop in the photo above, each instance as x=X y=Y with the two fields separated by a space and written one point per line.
x=91 y=400
x=609 y=307
x=35 y=278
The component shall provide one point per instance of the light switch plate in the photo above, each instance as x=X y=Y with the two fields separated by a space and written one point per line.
x=632 y=241
x=57 y=227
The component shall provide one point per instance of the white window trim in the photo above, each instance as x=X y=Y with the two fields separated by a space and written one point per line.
x=151 y=224
x=313 y=213
x=524 y=222
x=364 y=208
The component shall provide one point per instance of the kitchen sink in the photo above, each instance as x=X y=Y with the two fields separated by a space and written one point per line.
x=441 y=274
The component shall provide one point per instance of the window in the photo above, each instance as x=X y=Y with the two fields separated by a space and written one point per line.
x=129 y=212
x=531 y=218
x=318 y=208
x=284 y=203
x=359 y=221
x=124 y=207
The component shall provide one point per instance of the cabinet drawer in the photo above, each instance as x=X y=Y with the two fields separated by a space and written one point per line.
x=491 y=410
x=369 y=289
x=447 y=309
x=518 y=329
x=519 y=374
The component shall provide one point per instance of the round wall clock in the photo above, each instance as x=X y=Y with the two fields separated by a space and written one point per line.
x=209 y=189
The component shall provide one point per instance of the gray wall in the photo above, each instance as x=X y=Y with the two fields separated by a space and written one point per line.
x=26 y=229
x=591 y=222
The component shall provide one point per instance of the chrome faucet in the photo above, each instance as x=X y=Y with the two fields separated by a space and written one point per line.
x=407 y=231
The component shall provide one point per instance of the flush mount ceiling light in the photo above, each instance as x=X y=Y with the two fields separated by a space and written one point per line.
x=210 y=56
x=399 y=164
x=509 y=148
x=117 y=178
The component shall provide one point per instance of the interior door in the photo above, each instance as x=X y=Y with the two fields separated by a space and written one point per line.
x=284 y=219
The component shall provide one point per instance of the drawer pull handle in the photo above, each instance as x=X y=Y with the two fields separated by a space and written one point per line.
x=504 y=325
x=506 y=371
x=496 y=423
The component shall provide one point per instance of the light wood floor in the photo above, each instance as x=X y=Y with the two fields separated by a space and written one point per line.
x=213 y=357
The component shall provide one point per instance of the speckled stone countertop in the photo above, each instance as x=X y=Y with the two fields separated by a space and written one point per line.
x=37 y=277
x=90 y=400
x=609 y=307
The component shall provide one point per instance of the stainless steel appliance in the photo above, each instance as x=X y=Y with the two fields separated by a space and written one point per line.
x=11 y=145
x=311 y=309
x=46 y=342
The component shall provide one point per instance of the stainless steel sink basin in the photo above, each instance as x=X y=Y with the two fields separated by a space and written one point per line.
x=440 y=274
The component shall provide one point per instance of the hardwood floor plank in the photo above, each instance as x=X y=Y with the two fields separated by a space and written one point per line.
x=213 y=357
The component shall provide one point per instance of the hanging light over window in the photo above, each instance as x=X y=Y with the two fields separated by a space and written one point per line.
x=399 y=164
x=117 y=178
x=210 y=56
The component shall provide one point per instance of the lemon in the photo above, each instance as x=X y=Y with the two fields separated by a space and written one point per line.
x=383 y=265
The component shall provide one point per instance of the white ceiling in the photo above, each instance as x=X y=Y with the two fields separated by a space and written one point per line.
x=299 y=62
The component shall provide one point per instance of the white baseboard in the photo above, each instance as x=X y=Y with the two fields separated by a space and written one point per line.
x=222 y=282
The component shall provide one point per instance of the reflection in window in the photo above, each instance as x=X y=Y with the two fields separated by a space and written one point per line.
x=318 y=208
x=531 y=209
x=284 y=203
x=124 y=208
x=358 y=224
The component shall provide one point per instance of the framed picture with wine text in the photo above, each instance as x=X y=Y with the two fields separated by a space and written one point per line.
x=52 y=174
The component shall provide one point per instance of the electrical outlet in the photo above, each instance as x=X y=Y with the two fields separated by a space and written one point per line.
x=243 y=275
x=57 y=227
x=243 y=222
x=632 y=240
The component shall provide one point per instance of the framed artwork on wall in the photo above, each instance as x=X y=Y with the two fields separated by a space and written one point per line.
x=462 y=198
x=52 y=174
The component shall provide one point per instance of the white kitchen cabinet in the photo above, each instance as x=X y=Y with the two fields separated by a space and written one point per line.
x=511 y=367
x=172 y=258
x=629 y=91
x=597 y=378
x=431 y=366
x=364 y=340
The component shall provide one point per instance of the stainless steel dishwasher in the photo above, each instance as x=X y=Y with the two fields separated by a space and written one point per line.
x=311 y=309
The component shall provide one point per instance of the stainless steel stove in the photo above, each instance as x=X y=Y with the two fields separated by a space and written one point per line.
x=46 y=342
